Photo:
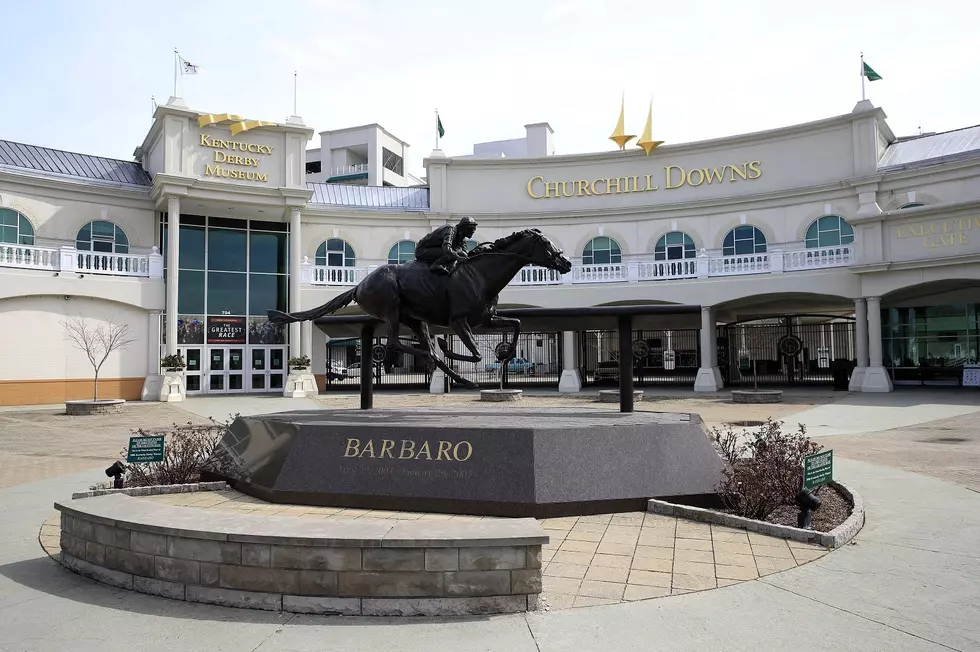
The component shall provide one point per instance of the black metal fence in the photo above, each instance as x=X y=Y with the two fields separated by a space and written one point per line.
x=754 y=352
x=537 y=363
x=659 y=357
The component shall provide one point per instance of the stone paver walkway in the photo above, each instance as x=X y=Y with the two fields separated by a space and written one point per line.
x=590 y=560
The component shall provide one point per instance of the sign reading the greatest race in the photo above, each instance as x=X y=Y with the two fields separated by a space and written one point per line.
x=145 y=449
x=818 y=469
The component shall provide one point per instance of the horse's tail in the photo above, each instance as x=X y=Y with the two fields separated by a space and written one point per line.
x=332 y=306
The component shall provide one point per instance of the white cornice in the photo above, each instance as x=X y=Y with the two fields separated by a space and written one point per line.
x=164 y=184
x=920 y=212
x=769 y=135
x=72 y=188
x=965 y=259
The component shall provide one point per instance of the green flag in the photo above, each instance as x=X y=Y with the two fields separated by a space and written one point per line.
x=868 y=72
x=442 y=132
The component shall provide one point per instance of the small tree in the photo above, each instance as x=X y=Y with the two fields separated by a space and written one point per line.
x=96 y=341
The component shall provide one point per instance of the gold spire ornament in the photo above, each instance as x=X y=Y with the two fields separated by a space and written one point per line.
x=619 y=135
x=646 y=141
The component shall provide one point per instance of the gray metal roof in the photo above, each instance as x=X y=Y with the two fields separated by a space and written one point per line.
x=386 y=197
x=932 y=149
x=54 y=162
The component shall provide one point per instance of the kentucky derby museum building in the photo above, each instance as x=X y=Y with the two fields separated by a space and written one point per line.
x=818 y=249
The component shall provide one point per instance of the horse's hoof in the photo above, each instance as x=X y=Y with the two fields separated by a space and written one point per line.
x=503 y=351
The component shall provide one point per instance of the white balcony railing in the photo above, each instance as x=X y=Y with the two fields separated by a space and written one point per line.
x=70 y=260
x=344 y=170
x=704 y=266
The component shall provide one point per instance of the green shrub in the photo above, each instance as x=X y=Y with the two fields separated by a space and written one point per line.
x=187 y=452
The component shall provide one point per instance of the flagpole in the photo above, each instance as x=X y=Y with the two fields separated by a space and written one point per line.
x=437 y=128
x=295 y=73
x=862 y=77
x=176 y=67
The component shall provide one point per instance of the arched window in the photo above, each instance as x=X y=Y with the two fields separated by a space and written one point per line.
x=674 y=246
x=829 y=231
x=102 y=236
x=602 y=251
x=471 y=245
x=744 y=240
x=914 y=204
x=335 y=253
x=401 y=252
x=15 y=228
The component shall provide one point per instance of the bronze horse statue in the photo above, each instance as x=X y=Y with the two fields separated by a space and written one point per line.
x=411 y=294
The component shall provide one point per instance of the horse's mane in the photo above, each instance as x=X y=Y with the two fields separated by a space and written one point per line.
x=502 y=243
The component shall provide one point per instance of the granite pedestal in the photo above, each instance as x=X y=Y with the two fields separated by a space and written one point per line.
x=491 y=461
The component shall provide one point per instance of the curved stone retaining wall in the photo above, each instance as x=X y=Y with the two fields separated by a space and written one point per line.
x=369 y=567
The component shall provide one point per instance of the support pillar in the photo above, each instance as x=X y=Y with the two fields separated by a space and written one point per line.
x=367 y=373
x=709 y=375
x=571 y=379
x=154 y=379
x=173 y=261
x=876 y=378
x=625 y=363
x=295 y=276
x=860 y=345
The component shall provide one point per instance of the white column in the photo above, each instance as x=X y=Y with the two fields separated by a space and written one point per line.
x=876 y=378
x=295 y=276
x=173 y=246
x=571 y=379
x=860 y=344
x=709 y=375
x=153 y=381
x=306 y=341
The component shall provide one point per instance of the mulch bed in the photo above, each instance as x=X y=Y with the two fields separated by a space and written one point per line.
x=834 y=510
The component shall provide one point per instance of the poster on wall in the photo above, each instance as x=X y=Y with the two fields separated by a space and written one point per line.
x=263 y=331
x=190 y=330
x=226 y=330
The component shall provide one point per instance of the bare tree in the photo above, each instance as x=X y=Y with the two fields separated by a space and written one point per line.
x=97 y=341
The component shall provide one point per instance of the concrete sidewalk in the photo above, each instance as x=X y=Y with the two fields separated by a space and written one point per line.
x=909 y=583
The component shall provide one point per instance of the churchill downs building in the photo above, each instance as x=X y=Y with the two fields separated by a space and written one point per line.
x=821 y=247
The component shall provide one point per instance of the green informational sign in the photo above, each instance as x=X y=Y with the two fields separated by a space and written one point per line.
x=818 y=469
x=145 y=449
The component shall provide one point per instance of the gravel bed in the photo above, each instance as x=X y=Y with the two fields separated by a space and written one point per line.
x=834 y=510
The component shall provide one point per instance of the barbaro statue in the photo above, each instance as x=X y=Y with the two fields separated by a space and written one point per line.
x=446 y=288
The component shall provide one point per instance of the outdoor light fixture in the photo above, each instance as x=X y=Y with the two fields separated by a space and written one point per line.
x=808 y=502
x=116 y=472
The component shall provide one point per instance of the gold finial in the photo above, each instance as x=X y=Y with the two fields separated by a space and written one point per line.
x=619 y=135
x=646 y=141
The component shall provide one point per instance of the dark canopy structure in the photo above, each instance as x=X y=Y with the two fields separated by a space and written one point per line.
x=624 y=319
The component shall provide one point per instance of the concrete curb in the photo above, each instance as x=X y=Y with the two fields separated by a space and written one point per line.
x=836 y=538
x=155 y=490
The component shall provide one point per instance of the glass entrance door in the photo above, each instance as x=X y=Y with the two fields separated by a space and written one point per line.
x=267 y=369
x=193 y=372
x=226 y=370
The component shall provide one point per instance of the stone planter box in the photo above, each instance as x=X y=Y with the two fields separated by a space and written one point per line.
x=757 y=396
x=501 y=395
x=836 y=538
x=368 y=567
x=102 y=406
x=612 y=395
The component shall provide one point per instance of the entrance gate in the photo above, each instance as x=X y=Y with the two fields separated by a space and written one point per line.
x=538 y=363
x=819 y=349
x=660 y=357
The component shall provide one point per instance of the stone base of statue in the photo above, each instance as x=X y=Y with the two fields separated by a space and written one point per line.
x=514 y=461
x=300 y=384
x=501 y=395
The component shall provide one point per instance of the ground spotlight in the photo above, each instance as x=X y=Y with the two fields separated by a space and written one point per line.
x=116 y=473
x=808 y=502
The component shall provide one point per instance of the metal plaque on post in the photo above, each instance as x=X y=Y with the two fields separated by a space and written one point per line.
x=145 y=449
x=818 y=469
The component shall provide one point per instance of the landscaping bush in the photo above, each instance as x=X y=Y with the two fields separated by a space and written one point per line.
x=765 y=470
x=187 y=452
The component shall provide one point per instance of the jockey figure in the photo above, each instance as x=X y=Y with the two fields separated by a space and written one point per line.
x=445 y=247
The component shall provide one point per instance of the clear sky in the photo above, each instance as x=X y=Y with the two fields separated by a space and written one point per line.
x=79 y=75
